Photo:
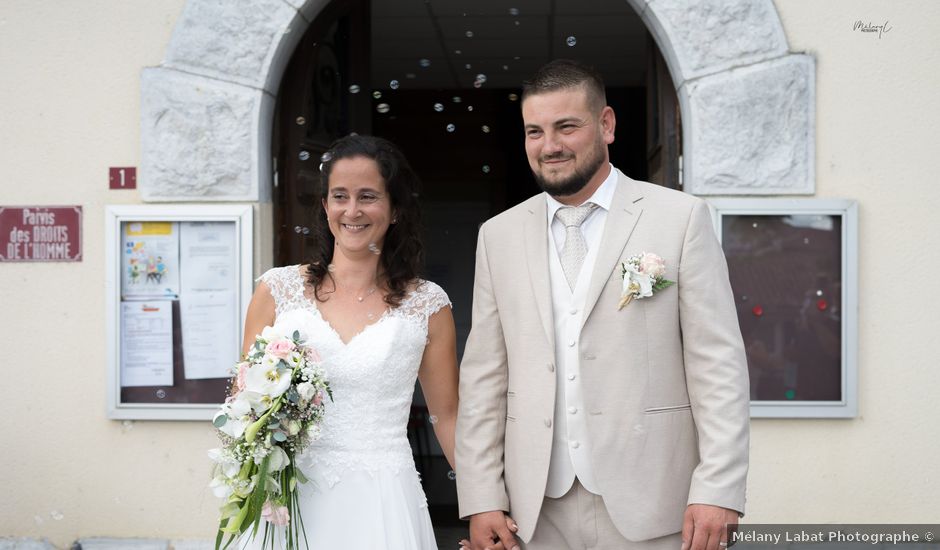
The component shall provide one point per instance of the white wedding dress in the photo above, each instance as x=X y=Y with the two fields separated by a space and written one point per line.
x=364 y=492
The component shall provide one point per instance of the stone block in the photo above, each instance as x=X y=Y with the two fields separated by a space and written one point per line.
x=201 y=138
x=233 y=40
x=707 y=36
x=10 y=543
x=192 y=544
x=751 y=130
x=107 y=543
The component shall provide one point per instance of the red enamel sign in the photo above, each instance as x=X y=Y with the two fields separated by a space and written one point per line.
x=40 y=233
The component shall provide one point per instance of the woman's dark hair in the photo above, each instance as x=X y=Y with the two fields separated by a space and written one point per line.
x=402 y=253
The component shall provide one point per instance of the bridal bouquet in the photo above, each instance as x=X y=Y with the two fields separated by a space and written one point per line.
x=274 y=412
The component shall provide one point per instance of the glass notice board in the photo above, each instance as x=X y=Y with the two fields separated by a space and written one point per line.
x=793 y=269
x=178 y=284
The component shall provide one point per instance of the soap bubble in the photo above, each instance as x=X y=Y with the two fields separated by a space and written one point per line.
x=470 y=108
x=301 y=121
x=451 y=475
x=374 y=249
x=326 y=157
x=480 y=80
x=513 y=97
x=425 y=63
x=298 y=229
x=303 y=155
x=451 y=128
x=438 y=107
x=432 y=419
x=382 y=108
x=456 y=99
x=306 y=231
x=377 y=94
x=513 y=11
x=354 y=89
x=393 y=84
x=331 y=268
x=486 y=129
x=410 y=76
x=457 y=52
x=486 y=168
x=469 y=34
x=571 y=41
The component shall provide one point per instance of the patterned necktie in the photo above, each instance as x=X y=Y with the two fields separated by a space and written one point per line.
x=575 y=249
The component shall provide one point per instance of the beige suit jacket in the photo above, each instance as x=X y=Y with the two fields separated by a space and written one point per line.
x=665 y=378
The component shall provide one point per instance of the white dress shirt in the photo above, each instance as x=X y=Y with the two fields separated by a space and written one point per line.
x=570 y=442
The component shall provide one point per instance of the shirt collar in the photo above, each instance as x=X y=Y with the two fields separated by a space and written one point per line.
x=602 y=197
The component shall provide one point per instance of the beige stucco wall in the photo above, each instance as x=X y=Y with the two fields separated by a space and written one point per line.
x=877 y=117
x=69 y=91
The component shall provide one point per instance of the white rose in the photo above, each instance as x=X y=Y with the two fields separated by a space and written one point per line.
x=306 y=390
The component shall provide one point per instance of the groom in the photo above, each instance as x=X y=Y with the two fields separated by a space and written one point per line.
x=597 y=426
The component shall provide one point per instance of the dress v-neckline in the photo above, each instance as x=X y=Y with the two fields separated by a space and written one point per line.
x=363 y=330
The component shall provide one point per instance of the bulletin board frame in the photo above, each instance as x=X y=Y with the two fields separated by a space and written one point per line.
x=116 y=216
x=841 y=214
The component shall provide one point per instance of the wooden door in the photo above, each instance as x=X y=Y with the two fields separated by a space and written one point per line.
x=664 y=124
x=324 y=95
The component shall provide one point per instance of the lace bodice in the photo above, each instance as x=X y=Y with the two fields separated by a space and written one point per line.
x=372 y=377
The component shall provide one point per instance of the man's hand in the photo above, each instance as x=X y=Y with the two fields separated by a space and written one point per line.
x=491 y=531
x=704 y=527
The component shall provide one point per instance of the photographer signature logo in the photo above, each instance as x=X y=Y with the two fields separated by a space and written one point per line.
x=882 y=29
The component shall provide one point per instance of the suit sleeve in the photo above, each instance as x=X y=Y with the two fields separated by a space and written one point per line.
x=715 y=367
x=481 y=417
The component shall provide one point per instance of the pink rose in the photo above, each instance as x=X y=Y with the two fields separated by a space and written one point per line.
x=280 y=349
x=312 y=355
x=652 y=265
x=276 y=514
x=242 y=373
x=317 y=399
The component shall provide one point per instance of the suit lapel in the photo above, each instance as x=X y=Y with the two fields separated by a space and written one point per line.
x=536 y=246
x=624 y=214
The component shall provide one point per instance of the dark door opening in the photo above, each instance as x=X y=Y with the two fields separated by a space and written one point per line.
x=442 y=80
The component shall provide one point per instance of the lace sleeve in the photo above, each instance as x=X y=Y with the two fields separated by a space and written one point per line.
x=431 y=298
x=286 y=285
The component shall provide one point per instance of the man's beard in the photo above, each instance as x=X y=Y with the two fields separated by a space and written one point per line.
x=576 y=181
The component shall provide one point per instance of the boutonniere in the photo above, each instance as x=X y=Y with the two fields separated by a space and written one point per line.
x=642 y=277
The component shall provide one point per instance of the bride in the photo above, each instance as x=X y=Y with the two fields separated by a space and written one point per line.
x=377 y=326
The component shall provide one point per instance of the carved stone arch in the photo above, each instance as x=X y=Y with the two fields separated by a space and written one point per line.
x=747 y=101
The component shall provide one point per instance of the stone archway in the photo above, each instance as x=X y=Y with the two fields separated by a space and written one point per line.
x=748 y=103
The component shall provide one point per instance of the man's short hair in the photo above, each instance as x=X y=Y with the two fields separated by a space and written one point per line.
x=561 y=74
